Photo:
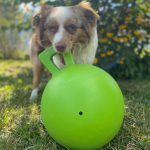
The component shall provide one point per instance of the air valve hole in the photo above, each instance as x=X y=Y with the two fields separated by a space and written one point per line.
x=80 y=113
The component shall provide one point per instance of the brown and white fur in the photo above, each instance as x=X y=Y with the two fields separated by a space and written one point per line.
x=66 y=29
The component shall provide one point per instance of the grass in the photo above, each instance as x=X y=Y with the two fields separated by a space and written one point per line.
x=21 y=127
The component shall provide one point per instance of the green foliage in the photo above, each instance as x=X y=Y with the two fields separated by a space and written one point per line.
x=12 y=21
x=124 y=34
x=11 y=17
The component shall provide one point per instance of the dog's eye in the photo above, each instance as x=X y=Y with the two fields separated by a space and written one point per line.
x=53 y=29
x=71 y=28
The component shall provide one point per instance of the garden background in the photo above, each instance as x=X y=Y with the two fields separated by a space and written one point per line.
x=123 y=51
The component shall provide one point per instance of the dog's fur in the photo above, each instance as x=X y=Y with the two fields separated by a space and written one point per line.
x=65 y=28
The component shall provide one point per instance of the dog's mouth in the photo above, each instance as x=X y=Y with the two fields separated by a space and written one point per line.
x=58 y=60
x=62 y=59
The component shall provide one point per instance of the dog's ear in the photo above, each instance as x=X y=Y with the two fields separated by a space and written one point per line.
x=40 y=17
x=89 y=13
x=45 y=10
x=36 y=20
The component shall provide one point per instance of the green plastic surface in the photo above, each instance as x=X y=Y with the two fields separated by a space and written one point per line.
x=82 y=106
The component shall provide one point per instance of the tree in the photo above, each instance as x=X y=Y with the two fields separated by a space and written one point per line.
x=7 y=22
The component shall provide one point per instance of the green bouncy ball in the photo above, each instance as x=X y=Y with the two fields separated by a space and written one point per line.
x=82 y=106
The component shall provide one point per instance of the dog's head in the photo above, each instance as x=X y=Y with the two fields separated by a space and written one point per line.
x=65 y=27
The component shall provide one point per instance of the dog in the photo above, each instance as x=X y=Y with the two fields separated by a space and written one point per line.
x=66 y=28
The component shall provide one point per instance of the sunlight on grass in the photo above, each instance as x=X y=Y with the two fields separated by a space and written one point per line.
x=12 y=68
x=6 y=88
x=6 y=92
x=34 y=112
x=10 y=119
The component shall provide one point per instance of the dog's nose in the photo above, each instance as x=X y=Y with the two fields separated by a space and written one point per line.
x=60 y=47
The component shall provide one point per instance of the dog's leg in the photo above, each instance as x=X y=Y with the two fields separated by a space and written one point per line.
x=37 y=72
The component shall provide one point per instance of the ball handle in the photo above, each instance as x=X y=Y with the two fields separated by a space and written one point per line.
x=46 y=59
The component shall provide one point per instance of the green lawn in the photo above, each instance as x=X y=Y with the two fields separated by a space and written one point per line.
x=22 y=129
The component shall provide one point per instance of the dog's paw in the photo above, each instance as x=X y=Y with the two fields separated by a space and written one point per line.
x=34 y=94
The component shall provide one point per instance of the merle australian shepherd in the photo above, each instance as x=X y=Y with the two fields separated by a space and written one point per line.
x=70 y=28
